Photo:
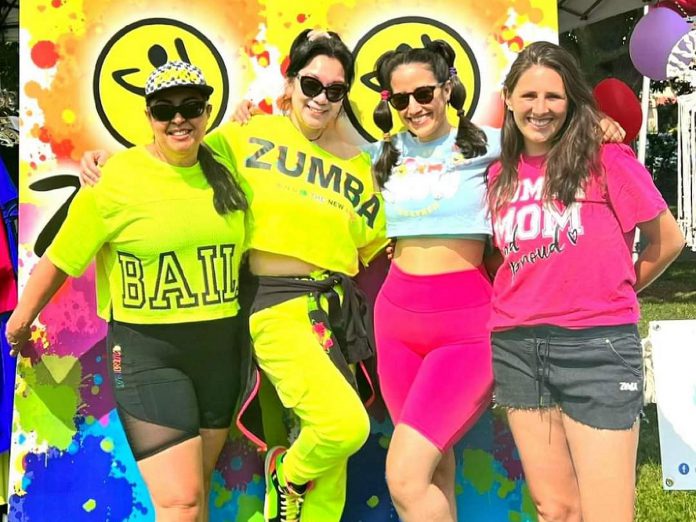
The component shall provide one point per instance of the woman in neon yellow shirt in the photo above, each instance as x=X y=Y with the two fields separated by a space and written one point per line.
x=315 y=215
x=166 y=225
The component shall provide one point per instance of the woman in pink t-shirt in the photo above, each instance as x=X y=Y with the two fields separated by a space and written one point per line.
x=567 y=356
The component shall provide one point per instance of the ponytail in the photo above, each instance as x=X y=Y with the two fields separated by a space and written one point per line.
x=227 y=194
x=470 y=139
x=389 y=155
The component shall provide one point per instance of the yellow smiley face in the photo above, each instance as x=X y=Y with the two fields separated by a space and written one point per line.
x=399 y=33
x=132 y=54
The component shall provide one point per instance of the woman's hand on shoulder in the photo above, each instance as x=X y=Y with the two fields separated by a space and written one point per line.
x=90 y=166
x=611 y=131
x=244 y=111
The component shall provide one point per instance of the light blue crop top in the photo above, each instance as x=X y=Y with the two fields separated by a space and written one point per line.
x=434 y=190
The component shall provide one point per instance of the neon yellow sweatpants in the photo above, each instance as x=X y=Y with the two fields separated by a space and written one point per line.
x=333 y=421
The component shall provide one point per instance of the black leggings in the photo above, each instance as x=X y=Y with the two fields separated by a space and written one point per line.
x=171 y=380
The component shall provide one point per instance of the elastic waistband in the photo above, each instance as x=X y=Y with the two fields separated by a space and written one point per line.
x=558 y=332
x=437 y=292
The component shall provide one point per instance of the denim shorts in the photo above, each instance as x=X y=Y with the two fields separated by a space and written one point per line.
x=594 y=375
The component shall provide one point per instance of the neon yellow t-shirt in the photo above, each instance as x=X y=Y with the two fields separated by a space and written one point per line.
x=163 y=254
x=305 y=202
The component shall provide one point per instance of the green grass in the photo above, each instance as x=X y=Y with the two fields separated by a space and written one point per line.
x=673 y=296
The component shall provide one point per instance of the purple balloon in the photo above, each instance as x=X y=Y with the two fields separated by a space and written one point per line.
x=653 y=39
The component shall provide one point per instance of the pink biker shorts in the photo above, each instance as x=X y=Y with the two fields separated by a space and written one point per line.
x=434 y=351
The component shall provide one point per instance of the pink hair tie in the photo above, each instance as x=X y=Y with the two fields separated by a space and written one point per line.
x=385 y=95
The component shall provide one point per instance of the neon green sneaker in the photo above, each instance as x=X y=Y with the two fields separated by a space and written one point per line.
x=283 y=502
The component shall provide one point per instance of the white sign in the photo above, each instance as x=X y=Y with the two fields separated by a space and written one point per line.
x=674 y=360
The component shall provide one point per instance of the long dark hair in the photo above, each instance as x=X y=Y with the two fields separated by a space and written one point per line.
x=303 y=50
x=439 y=57
x=574 y=154
x=228 y=196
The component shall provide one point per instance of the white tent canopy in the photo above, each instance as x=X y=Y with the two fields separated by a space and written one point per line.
x=576 y=13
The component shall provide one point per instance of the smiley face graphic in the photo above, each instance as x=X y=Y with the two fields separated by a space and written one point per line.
x=404 y=33
x=132 y=54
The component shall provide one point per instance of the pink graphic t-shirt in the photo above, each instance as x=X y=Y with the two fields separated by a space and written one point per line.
x=571 y=266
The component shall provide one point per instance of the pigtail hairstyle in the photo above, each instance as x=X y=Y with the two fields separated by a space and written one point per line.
x=227 y=194
x=574 y=154
x=382 y=116
x=439 y=57
x=470 y=139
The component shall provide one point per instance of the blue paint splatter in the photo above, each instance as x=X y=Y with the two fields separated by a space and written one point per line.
x=98 y=379
x=86 y=475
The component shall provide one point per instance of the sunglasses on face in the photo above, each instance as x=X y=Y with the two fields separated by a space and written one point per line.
x=423 y=95
x=188 y=110
x=311 y=87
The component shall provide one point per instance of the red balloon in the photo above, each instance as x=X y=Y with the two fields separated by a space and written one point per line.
x=618 y=101
x=683 y=7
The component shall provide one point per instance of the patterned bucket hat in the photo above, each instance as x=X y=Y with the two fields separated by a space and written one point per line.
x=176 y=74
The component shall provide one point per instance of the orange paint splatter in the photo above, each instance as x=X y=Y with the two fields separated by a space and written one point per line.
x=536 y=16
x=264 y=59
x=301 y=18
x=516 y=44
x=56 y=3
x=266 y=107
x=44 y=54
x=44 y=135
x=284 y=65
x=62 y=149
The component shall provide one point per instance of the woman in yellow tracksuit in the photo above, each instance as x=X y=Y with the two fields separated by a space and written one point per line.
x=314 y=215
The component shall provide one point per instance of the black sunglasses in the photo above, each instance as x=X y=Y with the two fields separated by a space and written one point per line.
x=188 y=110
x=312 y=88
x=422 y=95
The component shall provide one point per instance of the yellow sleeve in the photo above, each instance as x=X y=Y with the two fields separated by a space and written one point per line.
x=219 y=142
x=80 y=237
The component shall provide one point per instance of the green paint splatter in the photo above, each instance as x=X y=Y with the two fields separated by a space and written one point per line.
x=89 y=505
x=507 y=486
x=95 y=390
x=384 y=441
x=373 y=501
x=221 y=495
x=51 y=400
x=478 y=470
x=107 y=445
x=528 y=506
x=250 y=509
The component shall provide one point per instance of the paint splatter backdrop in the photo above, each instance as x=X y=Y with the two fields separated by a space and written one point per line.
x=83 y=66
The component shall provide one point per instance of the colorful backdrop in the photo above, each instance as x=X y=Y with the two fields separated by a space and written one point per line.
x=83 y=67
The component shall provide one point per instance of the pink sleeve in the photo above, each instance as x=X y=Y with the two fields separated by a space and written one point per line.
x=632 y=193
